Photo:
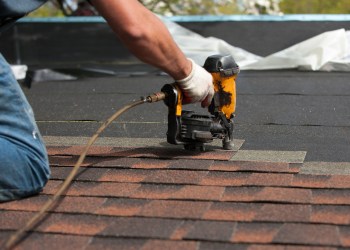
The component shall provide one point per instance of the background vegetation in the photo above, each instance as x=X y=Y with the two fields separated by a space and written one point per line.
x=315 y=6
x=50 y=9
x=220 y=7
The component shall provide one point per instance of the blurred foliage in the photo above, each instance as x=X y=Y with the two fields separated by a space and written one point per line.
x=220 y=7
x=315 y=6
x=259 y=7
x=192 y=7
x=49 y=9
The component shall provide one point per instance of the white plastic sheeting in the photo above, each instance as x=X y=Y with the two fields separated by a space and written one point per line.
x=198 y=47
x=317 y=53
x=19 y=71
x=328 y=51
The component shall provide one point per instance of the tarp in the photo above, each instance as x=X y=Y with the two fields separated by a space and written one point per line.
x=328 y=51
x=19 y=71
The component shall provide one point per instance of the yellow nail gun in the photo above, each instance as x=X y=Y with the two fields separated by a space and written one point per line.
x=194 y=130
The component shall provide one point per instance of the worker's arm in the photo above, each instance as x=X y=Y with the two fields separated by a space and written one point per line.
x=148 y=39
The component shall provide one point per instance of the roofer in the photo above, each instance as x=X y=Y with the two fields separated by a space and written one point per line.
x=24 y=168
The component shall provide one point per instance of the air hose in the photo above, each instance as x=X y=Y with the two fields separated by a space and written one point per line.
x=18 y=235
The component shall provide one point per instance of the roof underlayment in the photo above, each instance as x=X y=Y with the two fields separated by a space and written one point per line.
x=328 y=51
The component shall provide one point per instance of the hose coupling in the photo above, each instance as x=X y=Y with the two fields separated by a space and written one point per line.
x=156 y=97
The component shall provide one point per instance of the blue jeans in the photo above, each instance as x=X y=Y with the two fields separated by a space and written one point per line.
x=24 y=168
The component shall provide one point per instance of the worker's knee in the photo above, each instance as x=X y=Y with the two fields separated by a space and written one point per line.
x=23 y=172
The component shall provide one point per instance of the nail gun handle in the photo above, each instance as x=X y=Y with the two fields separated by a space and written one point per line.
x=224 y=71
x=174 y=102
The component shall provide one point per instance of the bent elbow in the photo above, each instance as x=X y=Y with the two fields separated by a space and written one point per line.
x=134 y=34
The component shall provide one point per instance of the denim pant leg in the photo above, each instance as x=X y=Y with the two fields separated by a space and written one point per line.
x=24 y=168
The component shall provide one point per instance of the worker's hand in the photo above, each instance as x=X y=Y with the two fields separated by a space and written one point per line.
x=197 y=86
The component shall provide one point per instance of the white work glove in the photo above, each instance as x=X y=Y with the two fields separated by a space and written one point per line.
x=198 y=86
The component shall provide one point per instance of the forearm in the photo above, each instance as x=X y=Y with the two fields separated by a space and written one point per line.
x=148 y=39
x=144 y=35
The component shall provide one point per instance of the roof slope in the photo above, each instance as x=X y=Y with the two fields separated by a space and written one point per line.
x=165 y=198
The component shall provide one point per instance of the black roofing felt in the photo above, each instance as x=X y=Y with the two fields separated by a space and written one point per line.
x=276 y=110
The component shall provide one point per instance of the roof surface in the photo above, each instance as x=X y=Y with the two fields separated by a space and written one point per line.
x=285 y=186
x=163 y=198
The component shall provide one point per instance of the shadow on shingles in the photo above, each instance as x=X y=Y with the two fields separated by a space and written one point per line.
x=156 y=152
x=208 y=147
x=96 y=155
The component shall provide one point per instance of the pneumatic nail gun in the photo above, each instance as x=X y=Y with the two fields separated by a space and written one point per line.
x=195 y=130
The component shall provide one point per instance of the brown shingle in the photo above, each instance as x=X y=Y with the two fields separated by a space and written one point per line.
x=331 y=196
x=12 y=220
x=211 y=231
x=254 y=167
x=93 y=150
x=70 y=161
x=65 y=204
x=151 y=164
x=115 y=162
x=183 y=192
x=247 y=179
x=270 y=179
x=123 y=175
x=96 y=189
x=175 y=177
x=255 y=232
x=141 y=227
x=74 y=224
x=107 y=243
x=182 y=230
x=121 y=207
x=175 y=209
x=344 y=233
x=42 y=241
x=190 y=164
x=339 y=181
x=230 y=211
x=273 y=194
x=284 y=213
x=331 y=214
x=211 y=193
x=322 y=181
x=86 y=174
x=170 y=245
x=225 y=179
x=308 y=234
x=154 y=191
x=311 y=181
x=55 y=150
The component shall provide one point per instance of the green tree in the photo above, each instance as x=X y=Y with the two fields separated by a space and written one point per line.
x=315 y=6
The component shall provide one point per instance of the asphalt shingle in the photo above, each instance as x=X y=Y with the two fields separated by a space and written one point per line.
x=186 y=201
